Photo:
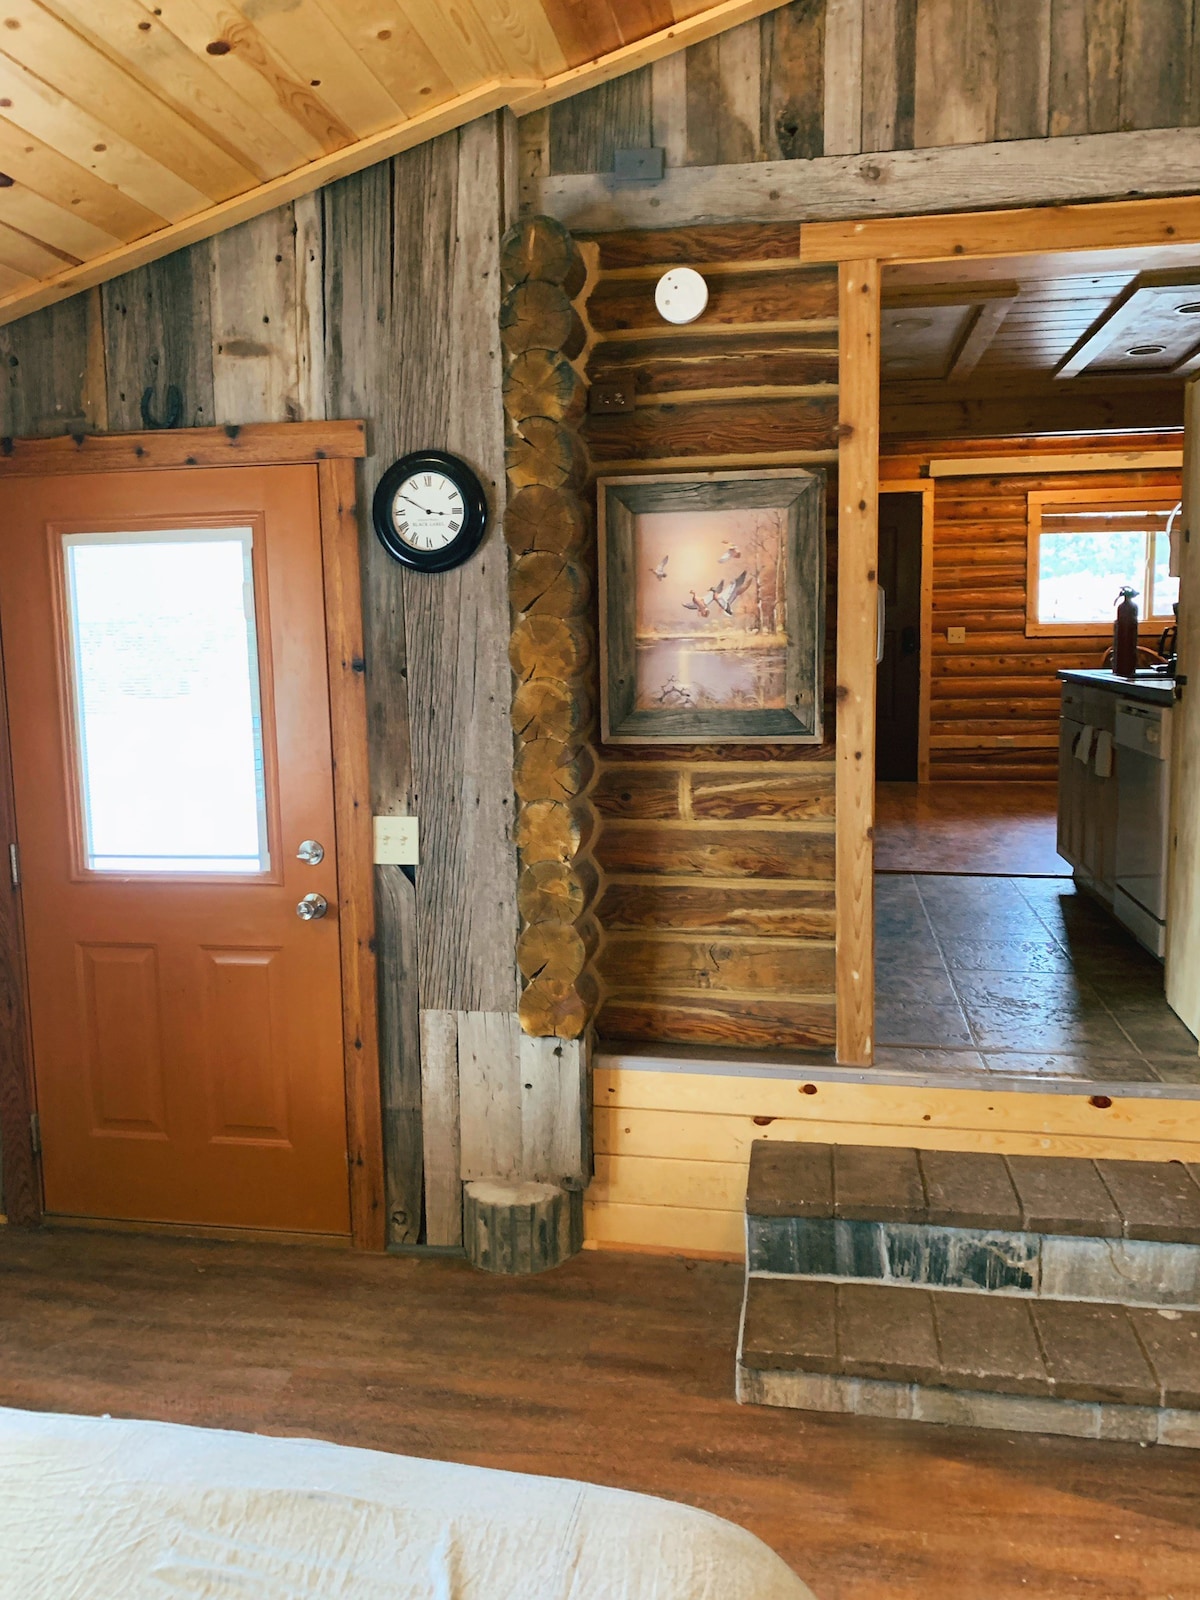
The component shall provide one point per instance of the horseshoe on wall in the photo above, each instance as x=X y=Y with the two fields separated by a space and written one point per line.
x=174 y=413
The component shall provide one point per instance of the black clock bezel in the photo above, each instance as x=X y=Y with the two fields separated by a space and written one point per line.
x=468 y=538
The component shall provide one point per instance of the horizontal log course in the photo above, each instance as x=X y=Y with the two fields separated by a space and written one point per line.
x=737 y=243
x=543 y=383
x=663 y=367
x=638 y=791
x=549 y=1007
x=541 y=248
x=649 y=965
x=716 y=427
x=540 y=316
x=734 y=300
x=764 y=1023
x=673 y=849
x=554 y=830
x=549 y=647
x=548 y=769
x=804 y=794
x=550 y=708
x=557 y=891
x=770 y=909
x=558 y=950
x=539 y=517
x=543 y=583
x=542 y=452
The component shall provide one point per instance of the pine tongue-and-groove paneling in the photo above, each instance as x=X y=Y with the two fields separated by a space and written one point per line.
x=994 y=699
x=717 y=901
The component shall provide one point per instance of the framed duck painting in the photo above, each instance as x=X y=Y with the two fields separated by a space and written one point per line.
x=712 y=607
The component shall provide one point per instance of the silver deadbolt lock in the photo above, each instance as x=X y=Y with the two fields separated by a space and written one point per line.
x=312 y=907
x=312 y=852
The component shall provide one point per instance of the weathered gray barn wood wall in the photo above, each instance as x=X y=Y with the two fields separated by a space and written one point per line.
x=377 y=298
x=839 y=77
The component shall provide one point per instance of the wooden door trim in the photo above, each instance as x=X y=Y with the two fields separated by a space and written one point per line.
x=333 y=448
x=257 y=444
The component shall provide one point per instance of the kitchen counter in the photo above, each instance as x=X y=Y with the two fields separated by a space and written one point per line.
x=1151 y=687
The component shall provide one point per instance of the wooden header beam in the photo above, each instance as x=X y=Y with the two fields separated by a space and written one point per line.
x=256 y=444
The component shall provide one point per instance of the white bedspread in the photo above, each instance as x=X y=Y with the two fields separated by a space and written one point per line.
x=97 y=1509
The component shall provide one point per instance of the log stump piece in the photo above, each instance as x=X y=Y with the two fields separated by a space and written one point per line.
x=521 y=1228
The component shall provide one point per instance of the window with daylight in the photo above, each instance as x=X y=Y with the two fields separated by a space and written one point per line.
x=1086 y=545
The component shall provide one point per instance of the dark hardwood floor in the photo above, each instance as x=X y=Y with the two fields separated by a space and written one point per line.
x=993 y=829
x=617 y=1369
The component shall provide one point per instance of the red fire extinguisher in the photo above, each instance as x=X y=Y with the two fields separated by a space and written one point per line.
x=1125 y=635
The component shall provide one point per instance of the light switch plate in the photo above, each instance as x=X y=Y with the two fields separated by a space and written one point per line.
x=396 y=841
x=956 y=636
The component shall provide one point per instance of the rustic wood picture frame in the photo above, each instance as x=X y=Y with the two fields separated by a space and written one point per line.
x=801 y=494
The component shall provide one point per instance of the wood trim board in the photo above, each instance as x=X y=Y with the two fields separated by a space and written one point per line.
x=1038 y=465
x=926 y=490
x=332 y=448
x=857 y=624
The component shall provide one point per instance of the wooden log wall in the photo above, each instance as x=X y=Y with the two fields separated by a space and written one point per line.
x=839 y=77
x=994 y=699
x=377 y=298
x=717 y=904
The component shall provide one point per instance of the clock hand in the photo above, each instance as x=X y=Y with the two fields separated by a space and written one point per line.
x=421 y=509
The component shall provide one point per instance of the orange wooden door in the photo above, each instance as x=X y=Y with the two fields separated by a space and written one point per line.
x=164 y=640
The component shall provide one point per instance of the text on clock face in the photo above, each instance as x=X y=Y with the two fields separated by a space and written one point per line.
x=428 y=510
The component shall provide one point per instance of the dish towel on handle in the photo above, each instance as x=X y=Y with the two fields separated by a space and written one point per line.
x=97 y=1509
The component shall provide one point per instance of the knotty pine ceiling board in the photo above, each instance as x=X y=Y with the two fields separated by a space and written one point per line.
x=130 y=128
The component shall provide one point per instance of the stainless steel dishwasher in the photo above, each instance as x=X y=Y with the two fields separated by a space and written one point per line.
x=1142 y=735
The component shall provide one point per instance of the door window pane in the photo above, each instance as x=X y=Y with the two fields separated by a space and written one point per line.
x=167 y=703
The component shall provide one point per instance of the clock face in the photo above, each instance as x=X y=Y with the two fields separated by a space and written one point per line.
x=430 y=511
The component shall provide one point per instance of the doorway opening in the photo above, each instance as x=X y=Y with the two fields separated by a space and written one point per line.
x=1021 y=832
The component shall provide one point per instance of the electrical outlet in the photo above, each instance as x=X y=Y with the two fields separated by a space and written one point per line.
x=956 y=636
x=615 y=394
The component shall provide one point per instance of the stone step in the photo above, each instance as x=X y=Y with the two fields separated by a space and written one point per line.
x=996 y=1361
x=1155 y=1201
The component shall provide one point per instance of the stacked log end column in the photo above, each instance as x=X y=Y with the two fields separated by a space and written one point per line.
x=547 y=527
x=534 y=1221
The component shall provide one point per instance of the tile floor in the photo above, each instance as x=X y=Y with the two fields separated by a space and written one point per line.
x=1025 y=978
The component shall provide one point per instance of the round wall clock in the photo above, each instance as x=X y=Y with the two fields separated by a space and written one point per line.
x=430 y=511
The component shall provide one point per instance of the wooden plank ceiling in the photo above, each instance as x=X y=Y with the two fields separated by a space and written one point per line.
x=129 y=128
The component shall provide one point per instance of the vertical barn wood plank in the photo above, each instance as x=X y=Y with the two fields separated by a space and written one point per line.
x=555 y=1110
x=843 y=77
x=858 y=551
x=956 y=73
x=1105 y=24
x=1156 y=53
x=460 y=682
x=1068 y=68
x=793 y=81
x=256 y=322
x=889 y=73
x=439 y=1125
x=158 y=336
x=489 y=1094
x=95 y=377
x=309 y=256
x=363 y=379
x=355 y=849
x=44 y=359
x=668 y=101
x=1023 y=70
x=533 y=155
x=724 y=94
x=587 y=129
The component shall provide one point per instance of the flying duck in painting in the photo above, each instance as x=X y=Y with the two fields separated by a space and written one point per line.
x=731 y=552
x=728 y=592
x=660 y=571
x=695 y=604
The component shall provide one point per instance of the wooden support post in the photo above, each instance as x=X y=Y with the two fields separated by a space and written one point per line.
x=857 y=634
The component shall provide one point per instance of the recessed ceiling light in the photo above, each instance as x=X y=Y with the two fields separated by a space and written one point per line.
x=912 y=322
x=1146 y=350
x=1192 y=309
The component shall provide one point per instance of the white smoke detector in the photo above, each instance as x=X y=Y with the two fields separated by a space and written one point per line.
x=681 y=295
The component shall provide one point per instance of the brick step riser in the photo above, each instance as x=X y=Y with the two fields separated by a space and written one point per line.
x=1057 y=1266
x=868 y=1397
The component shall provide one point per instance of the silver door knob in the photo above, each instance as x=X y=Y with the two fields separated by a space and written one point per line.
x=312 y=852
x=312 y=907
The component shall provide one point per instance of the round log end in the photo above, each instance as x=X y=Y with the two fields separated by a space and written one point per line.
x=550 y=1008
x=519 y=1228
x=540 y=247
x=541 y=518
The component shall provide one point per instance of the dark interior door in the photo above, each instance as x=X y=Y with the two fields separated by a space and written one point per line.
x=898 y=713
